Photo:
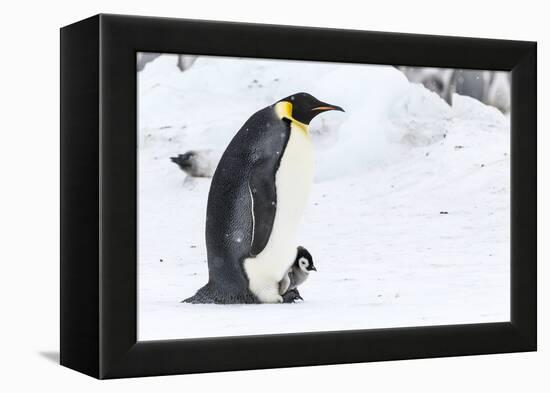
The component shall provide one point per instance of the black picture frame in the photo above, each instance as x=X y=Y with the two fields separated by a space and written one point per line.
x=98 y=196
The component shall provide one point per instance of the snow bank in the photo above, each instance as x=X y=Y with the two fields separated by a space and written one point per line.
x=206 y=105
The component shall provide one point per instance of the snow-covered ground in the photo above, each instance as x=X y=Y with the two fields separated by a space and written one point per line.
x=408 y=221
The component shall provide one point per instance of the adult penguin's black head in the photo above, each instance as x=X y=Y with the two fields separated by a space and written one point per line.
x=304 y=107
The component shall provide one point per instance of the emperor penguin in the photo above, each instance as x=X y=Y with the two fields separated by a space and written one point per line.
x=257 y=196
x=197 y=163
x=297 y=274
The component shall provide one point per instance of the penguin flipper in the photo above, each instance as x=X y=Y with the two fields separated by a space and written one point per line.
x=264 y=200
x=284 y=285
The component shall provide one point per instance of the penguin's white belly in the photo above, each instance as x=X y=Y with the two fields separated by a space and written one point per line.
x=293 y=183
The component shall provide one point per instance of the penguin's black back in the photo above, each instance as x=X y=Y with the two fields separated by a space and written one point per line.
x=248 y=165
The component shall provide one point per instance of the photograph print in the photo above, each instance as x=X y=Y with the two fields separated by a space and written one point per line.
x=278 y=196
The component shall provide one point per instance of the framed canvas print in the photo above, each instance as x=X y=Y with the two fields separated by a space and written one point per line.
x=298 y=196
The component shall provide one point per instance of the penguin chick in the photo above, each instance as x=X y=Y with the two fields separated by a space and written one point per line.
x=297 y=273
x=198 y=163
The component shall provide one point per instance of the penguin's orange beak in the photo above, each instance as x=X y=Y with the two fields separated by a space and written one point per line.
x=328 y=108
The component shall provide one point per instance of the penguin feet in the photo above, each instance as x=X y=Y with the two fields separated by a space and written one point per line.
x=291 y=296
x=213 y=294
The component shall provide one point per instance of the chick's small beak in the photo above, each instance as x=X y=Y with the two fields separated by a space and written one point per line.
x=314 y=268
x=325 y=108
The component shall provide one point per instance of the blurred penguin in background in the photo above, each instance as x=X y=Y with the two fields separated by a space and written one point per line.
x=490 y=87
x=437 y=80
x=198 y=163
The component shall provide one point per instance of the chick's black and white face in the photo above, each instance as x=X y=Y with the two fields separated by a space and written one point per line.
x=305 y=107
x=304 y=260
x=304 y=264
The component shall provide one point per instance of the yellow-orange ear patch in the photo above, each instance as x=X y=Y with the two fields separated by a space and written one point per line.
x=283 y=109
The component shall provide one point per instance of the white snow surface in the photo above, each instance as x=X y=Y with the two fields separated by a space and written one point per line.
x=408 y=220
